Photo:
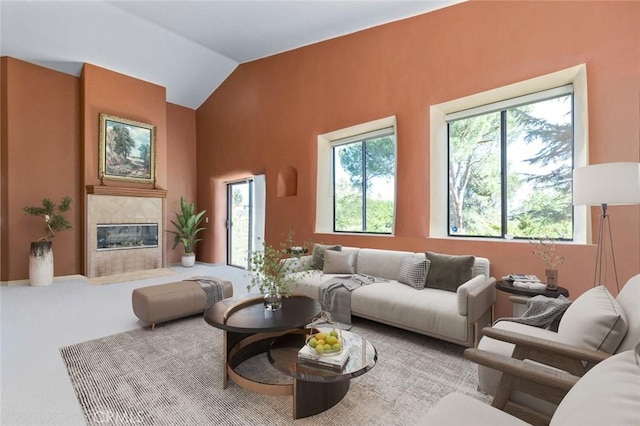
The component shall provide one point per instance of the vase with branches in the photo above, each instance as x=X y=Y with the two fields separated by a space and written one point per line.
x=546 y=249
x=41 y=254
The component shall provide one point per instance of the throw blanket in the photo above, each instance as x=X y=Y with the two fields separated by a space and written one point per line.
x=542 y=311
x=212 y=288
x=335 y=295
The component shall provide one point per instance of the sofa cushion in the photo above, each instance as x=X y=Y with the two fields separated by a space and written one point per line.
x=448 y=272
x=317 y=261
x=336 y=262
x=629 y=300
x=413 y=271
x=381 y=263
x=595 y=321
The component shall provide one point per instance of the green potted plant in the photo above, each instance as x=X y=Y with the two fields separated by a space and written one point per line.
x=41 y=254
x=270 y=274
x=187 y=228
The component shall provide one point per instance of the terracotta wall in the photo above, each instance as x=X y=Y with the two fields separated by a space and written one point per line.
x=181 y=171
x=266 y=116
x=49 y=148
x=40 y=159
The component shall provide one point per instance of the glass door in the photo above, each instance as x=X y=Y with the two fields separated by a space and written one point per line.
x=239 y=223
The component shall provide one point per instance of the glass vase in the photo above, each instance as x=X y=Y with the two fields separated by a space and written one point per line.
x=272 y=301
x=552 y=279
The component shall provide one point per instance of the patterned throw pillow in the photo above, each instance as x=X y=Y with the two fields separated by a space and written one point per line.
x=317 y=261
x=413 y=271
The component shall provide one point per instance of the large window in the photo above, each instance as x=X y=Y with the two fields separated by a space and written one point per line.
x=510 y=167
x=364 y=168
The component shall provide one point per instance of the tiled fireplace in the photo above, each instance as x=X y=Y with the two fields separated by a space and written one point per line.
x=124 y=234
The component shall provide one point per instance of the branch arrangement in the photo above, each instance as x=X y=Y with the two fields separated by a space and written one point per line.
x=52 y=215
x=545 y=248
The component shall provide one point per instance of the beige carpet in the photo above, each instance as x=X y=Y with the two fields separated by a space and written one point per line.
x=131 y=276
x=173 y=376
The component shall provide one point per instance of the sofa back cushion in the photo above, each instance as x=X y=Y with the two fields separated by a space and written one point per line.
x=629 y=300
x=481 y=267
x=381 y=263
x=317 y=260
x=338 y=262
x=448 y=272
x=594 y=321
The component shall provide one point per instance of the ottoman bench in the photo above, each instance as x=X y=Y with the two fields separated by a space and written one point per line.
x=158 y=303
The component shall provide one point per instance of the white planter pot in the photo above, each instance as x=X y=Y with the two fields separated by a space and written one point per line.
x=188 y=260
x=41 y=263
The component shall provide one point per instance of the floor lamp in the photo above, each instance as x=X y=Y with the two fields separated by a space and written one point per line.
x=604 y=185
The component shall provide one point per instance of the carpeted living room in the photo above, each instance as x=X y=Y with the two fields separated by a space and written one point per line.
x=334 y=126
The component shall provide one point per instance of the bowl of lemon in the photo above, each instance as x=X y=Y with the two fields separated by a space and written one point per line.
x=325 y=343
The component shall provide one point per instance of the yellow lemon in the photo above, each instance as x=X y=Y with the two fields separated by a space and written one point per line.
x=320 y=349
x=327 y=347
x=321 y=336
x=320 y=342
x=333 y=333
x=336 y=346
x=332 y=340
x=313 y=342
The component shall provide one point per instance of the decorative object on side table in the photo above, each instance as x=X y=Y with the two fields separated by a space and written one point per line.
x=41 y=255
x=545 y=248
x=187 y=229
x=270 y=274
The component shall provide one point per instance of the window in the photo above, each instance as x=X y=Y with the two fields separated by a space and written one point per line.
x=356 y=179
x=364 y=182
x=510 y=167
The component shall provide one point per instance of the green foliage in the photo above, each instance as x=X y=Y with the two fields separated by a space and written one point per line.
x=380 y=159
x=269 y=272
x=187 y=226
x=53 y=216
x=123 y=142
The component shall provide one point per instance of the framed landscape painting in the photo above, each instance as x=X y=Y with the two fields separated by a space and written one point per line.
x=127 y=150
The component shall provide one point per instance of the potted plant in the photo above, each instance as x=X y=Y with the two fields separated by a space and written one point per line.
x=187 y=228
x=41 y=255
x=271 y=274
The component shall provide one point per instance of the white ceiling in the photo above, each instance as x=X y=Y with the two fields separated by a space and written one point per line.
x=188 y=46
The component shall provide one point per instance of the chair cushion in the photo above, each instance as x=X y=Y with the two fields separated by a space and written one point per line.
x=448 y=272
x=607 y=395
x=456 y=409
x=629 y=299
x=413 y=271
x=336 y=262
x=595 y=321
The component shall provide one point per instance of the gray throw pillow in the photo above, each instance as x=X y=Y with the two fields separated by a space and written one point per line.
x=336 y=262
x=448 y=272
x=413 y=271
x=317 y=260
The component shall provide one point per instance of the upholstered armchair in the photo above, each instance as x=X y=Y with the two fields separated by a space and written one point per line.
x=593 y=327
x=606 y=395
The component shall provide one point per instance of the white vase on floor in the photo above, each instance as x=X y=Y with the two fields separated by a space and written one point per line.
x=188 y=260
x=41 y=263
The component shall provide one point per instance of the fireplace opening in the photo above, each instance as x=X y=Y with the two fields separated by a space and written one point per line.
x=127 y=236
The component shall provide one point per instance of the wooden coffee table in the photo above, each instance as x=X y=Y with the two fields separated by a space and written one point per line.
x=315 y=388
x=249 y=330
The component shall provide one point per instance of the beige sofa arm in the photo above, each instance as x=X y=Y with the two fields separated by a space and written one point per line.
x=297 y=264
x=475 y=297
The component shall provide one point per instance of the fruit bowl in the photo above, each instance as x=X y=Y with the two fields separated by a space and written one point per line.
x=330 y=342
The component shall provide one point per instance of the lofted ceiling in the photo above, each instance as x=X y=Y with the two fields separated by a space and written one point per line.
x=190 y=47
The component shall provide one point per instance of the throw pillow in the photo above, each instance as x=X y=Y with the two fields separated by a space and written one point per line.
x=595 y=321
x=317 y=260
x=413 y=271
x=448 y=272
x=336 y=262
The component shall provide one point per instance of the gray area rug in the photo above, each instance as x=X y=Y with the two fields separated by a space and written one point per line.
x=173 y=376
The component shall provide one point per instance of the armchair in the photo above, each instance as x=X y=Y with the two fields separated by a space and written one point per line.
x=594 y=322
x=606 y=394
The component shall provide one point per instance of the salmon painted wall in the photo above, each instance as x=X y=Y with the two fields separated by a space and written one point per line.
x=49 y=148
x=181 y=171
x=266 y=116
x=40 y=159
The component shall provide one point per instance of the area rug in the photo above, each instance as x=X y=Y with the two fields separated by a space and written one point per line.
x=131 y=276
x=173 y=376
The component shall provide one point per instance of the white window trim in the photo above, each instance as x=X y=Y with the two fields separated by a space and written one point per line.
x=324 y=180
x=439 y=182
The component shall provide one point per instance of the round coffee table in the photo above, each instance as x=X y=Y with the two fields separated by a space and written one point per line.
x=316 y=388
x=249 y=329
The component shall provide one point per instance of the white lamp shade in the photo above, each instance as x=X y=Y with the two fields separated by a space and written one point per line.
x=607 y=183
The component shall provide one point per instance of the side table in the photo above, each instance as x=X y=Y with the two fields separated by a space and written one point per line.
x=518 y=310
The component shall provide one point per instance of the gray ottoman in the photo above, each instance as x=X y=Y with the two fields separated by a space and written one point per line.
x=165 y=302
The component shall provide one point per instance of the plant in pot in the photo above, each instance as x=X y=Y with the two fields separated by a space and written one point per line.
x=270 y=271
x=41 y=255
x=187 y=228
x=545 y=248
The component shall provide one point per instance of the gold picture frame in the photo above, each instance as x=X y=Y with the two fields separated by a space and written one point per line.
x=127 y=150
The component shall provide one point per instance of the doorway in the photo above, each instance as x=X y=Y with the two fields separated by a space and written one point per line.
x=239 y=223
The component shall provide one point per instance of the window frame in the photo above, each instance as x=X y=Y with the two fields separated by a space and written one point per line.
x=577 y=75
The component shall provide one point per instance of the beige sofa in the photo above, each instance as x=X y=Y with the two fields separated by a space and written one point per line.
x=453 y=316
